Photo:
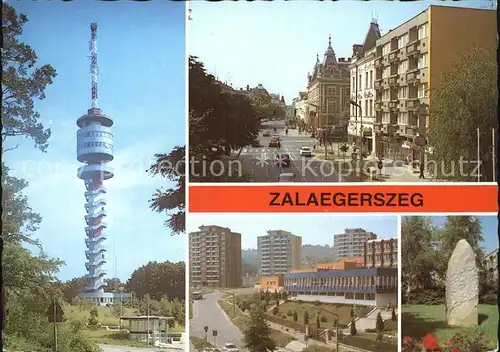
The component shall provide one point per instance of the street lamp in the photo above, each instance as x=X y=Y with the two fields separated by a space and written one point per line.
x=353 y=103
x=336 y=324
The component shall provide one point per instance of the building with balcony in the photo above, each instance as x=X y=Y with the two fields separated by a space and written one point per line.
x=362 y=90
x=279 y=252
x=328 y=90
x=215 y=257
x=351 y=243
x=409 y=60
x=363 y=286
x=250 y=280
x=491 y=266
x=381 y=253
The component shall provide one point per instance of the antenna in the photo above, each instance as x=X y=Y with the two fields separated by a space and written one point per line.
x=94 y=68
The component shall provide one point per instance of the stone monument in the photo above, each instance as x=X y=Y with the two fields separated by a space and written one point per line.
x=462 y=286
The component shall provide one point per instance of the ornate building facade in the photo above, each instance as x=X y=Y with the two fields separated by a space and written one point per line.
x=328 y=90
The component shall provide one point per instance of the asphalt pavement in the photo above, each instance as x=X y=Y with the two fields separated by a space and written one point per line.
x=260 y=162
x=116 y=348
x=206 y=312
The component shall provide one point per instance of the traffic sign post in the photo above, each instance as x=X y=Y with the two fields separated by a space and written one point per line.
x=214 y=334
x=206 y=331
x=55 y=315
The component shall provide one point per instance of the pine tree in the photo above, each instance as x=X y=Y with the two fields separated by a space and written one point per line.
x=352 y=313
x=306 y=318
x=257 y=335
x=318 y=323
x=380 y=323
x=393 y=317
x=93 y=322
x=295 y=316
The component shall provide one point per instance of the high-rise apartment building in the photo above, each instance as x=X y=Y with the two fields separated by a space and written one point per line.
x=215 y=257
x=381 y=253
x=279 y=252
x=408 y=61
x=351 y=243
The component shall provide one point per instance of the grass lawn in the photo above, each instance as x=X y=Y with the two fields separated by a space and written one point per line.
x=241 y=321
x=200 y=344
x=418 y=320
x=106 y=316
x=342 y=310
x=366 y=341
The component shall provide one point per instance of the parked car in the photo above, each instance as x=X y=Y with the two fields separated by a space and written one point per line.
x=287 y=177
x=283 y=160
x=305 y=151
x=266 y=134
x=273 y=143
x=230 y=347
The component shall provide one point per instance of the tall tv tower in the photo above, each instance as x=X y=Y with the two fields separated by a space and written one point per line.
x=95 y=149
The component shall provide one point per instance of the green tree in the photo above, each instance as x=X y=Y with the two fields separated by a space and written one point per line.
x=93 y=322
x=257 y=335
x=351 y=312
x=318 y=323
x=72 y=288
x=379 y=325
x=172 y=167
x=306 y=318
x=295 y=316
x=393 y=315
x=22 y=83
x=417 y=255
x=464 y=100
x=113 y=284
x=276 y=296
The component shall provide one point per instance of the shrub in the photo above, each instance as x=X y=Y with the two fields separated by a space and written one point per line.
x=393 y=317
x=295 y=316
x=275 y=310
x=318 y=324
x=306 y=318
x=289 y=313
x=352 y=313
x=380 y=323
x=354 y=332
x=323 y=319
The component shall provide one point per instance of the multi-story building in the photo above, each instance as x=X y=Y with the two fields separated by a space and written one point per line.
x=300 y=107
x=279 y=252
x=249 y=280
x=491 y=266
x=328 y=90
x=272 y=283
x=215 y=257
x=381 y=253
x=409 y=60
x=362 y=90
x=351 y=243
x=362 y=286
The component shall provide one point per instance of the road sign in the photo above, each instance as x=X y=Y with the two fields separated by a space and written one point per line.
x=56 y=311
x=206 y=328
x=214 y=333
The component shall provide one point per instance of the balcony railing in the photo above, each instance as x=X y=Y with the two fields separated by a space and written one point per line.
x=412 y=103
x=341 y=288
x=393 y=56
x=412 y=48
x=412 y=77
x=378 y=62
x=393 y=81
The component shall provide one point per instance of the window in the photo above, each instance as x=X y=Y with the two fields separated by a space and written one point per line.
x=403 y=93
x=386 y=49
x=354 y=83
x=367 y=85
x=386 y=118
x=422 y=31
x=366 y=108
x=402 y=41
x=422 y=90
x=403 y=67
x=386 y=95
x=403 y=118
x=371 y=107
x=360 y=82
x=422 y=61
x=371 y=79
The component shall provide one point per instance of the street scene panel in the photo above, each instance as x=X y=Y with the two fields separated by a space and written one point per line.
x=449 y=283
x=295 y=284
x=83 y=177
x=345 y=97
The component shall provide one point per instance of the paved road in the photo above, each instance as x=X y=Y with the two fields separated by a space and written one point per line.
x=208 y=313
x=115 y=348
x=259 y=162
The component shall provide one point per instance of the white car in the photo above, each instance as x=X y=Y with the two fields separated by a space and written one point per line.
x=286 y=177
x=276 y=136
x=305 y=151
x=230 y=347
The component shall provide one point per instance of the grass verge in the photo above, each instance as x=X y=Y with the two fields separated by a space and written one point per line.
x=241 y=321
x=200 y=344
x=419 y=320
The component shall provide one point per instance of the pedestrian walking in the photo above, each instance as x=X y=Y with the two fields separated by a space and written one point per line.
x=279 y=145
x=286 y=131
x=422 y=168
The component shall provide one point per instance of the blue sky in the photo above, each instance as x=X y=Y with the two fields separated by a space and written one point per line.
x=141 y=55
x=314 y=229
x=489 y=228
x=275 y=43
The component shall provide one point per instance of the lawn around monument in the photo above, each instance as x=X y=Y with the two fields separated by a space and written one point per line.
x=420 y=320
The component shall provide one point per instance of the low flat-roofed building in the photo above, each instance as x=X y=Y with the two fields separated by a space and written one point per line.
x=152 y=328
x=362 y=286
x=272 y=283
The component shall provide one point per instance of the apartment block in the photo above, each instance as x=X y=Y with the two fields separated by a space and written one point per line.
x=491 y=266
x=215 y=257
x=381 y=253
x=351 y=243
x=279 y=252
x=408 y=60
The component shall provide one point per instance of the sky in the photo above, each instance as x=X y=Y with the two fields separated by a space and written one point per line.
x=275 y=43
x=315 y=229
x=489 y=228
x=142 y=65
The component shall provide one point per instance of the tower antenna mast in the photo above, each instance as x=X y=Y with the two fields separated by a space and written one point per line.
x=94 y=68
